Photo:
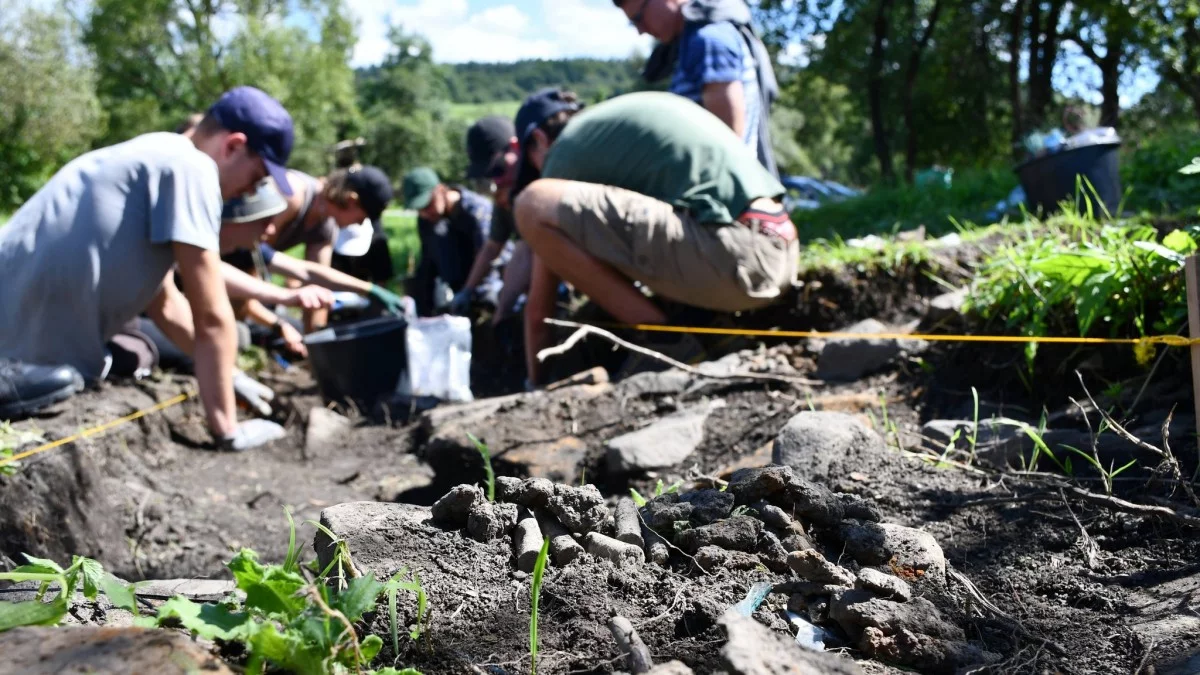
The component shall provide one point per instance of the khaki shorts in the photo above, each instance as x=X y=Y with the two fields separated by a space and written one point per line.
x=727 y=267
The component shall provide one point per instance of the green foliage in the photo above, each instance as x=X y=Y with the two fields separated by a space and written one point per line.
x=659 y=490
x=593 y=79
x=48 y=106
x=10 y=440
x=535 y=597
x=1150 y=173
x=487 y=466
x=1074 y=276
x=38 y=612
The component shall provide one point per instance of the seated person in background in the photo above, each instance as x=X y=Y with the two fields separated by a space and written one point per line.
x=96 y=246
x=452 y=223
x=645 y=187
x=320 y=207
x=492 y=152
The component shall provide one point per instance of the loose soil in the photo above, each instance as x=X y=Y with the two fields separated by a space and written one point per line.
x=1088 y=589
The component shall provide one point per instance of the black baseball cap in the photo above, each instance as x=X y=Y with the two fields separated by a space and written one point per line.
x=485 y=138
x=374 y=189
x=266 y=124
x=539 y=107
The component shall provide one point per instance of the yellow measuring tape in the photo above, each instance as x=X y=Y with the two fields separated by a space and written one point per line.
x=1169 y=340
x=97 y=429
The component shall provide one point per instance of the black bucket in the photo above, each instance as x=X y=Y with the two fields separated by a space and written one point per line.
x=1051 y=179
x=362 y=362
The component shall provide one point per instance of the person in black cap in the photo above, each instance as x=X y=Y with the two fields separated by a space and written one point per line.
x=94 y=247
x=492 y=152
x=337 y=213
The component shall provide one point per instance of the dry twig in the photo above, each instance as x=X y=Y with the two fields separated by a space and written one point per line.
x=583 y=330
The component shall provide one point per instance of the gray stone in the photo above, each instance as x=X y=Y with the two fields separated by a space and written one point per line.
x=579 y=509
x=535 y=493
x=739 y=533
x=860 y=509
x=488 y=521
x=855 y=611
x=827 y=446
x=715 y=558
x=847 y=360
x=662 y=512
x=770 y=550
x=665 y=443
x=755 y=484
x=752 y=649
x=795 y=541
x=104 y=651
x=813 y=566
x=326 y=431
x=772 y=515
x=924 y=653
x=884 y=585
x=708 y=506
x=945 y=307
x=404 y=473
x=508 y=489
x=913 y=552
x=617 y=552
x=627 y=524
x=200 y=590
x=813 y=503
x=453 y=509
x=670 y=668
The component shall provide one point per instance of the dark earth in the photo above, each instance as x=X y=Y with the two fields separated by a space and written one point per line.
x=1061 y=584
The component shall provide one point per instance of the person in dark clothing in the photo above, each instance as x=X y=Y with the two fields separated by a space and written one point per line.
x=452 y=223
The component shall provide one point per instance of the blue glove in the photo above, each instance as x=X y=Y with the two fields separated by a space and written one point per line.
x=461 y=304
x=391 y=302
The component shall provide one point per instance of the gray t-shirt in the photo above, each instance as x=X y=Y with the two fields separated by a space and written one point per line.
x=90 y=250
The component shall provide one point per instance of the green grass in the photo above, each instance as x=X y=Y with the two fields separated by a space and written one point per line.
x=403 y=242
x=470 y=112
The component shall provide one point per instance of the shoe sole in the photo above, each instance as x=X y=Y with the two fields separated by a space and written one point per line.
x=23 y=408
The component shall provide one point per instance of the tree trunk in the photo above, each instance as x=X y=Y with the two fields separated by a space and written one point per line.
x=910 y=83
x=1110 y=69
x=1015 y=34
x=1043 y=54
x=883 y=150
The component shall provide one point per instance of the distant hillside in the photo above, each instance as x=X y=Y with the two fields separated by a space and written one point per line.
x=592 y=79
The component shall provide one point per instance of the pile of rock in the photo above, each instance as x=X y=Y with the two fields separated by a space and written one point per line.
x=879 y=598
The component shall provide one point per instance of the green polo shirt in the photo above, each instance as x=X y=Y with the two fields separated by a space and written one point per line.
x=666 y=147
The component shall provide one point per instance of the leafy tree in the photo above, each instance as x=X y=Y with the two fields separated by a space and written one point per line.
x=48 y=107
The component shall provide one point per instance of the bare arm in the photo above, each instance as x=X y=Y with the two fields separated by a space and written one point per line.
x=320 y=275
x=171 y=312
x=321 y=255
x=242 y=286
x=215 y=345
x=483 y=262
x=727 y=100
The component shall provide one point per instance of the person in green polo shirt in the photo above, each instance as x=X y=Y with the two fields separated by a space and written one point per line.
x=645 y=187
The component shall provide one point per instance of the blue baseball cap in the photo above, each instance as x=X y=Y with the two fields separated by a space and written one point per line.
x=266 y=124
x=539 y=107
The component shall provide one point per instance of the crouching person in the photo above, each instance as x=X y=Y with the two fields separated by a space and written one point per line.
x=646 y=187
x=95 y=248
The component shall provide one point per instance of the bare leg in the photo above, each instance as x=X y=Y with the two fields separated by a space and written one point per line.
x=516 y=281
x=558 y=256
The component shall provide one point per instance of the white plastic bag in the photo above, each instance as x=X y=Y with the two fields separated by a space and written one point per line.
x=439 y=359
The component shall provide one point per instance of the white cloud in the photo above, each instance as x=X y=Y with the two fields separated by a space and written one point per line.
x=501 y=33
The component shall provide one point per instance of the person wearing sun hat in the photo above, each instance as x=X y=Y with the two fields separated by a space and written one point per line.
x=452 y=224
x=94 y=248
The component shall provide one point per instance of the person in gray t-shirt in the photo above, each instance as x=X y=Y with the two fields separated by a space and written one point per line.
x=93 y=248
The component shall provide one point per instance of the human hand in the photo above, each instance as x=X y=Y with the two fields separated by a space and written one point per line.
x=394 y=304
x=252 y=393
x=309 y=297
x=292 y=339
x=461 y=304
x=252 y=434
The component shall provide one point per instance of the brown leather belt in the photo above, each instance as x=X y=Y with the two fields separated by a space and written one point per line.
x=772 y=224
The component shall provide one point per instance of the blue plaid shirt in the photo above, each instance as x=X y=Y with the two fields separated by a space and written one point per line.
x=716 y=52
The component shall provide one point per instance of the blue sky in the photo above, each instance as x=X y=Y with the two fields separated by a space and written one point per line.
x=499 y=30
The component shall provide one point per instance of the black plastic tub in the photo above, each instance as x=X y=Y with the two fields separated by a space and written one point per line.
x=362 y=362
x=1051 y=179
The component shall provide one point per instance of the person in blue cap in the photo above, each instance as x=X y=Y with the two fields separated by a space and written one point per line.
x=94 y=248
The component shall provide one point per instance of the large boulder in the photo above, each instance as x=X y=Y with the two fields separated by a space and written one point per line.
x=98 y=650
x=664 y=443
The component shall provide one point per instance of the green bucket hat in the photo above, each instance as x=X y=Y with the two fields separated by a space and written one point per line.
x=418 y=187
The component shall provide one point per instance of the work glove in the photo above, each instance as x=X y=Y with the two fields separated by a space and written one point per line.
x=461 y=304
x=252 y=393
x=252 y=434
x=391 y=302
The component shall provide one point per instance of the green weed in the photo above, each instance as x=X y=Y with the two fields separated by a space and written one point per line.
x=10 y=440
x=49 y=574
x=535 y=596
x=487 y=466
x=659 y=490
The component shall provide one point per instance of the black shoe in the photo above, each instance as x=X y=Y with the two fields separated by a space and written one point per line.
x=26 y=388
